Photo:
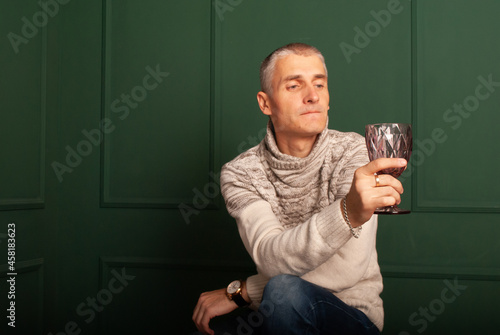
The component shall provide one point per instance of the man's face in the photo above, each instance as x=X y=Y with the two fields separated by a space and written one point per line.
x=300 y=100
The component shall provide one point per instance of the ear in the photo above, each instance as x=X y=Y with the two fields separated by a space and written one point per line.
x=264 y=103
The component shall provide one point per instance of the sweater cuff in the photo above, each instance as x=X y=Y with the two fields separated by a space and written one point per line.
x=255 y=288
x=332 y=226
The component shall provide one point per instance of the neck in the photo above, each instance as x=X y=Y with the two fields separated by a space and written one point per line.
x=297 y=147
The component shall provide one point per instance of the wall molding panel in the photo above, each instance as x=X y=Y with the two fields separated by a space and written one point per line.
x=475 y=274
x=451 y=100
x=147 y=156
x=22 y=128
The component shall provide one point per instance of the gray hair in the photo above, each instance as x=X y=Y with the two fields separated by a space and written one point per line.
x=269 y=64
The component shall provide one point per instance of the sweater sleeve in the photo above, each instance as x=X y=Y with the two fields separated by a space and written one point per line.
x=276 y=250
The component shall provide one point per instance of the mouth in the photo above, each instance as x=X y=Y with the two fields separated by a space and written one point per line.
x=310 y=112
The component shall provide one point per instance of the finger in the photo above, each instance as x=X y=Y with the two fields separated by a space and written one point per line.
x=385 y=180
x=206 y=328
x=381 y=164
x=202 y=323
x=386 y=196
x=199 y=316
x=386 y=202
x=197 y=311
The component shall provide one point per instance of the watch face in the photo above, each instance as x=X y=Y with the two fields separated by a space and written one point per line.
x=233 y=287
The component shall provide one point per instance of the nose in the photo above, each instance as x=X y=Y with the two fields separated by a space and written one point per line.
x=311 y=95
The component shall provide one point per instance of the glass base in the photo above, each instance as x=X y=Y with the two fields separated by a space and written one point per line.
x=391 y=210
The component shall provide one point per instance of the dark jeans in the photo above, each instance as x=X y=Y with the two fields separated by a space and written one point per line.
x=291 y=305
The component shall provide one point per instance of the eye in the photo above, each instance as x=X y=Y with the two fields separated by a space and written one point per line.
x=320 y=84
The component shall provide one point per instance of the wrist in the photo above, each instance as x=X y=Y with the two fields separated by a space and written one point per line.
x=244 y=293
x=236 y=292
x=352 y=213
x=355 y=230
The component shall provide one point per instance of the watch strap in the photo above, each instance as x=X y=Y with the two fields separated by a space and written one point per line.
x=238 y=299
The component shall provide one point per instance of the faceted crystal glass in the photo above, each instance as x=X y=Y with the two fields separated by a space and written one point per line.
x=389 y=140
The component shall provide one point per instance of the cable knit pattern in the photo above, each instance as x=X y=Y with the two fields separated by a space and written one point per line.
x=290 y=221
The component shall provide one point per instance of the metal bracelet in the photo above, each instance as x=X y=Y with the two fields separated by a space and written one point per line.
x=346 y=218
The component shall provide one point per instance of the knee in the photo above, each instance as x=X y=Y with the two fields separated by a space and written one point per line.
x=285 y=300
x=283 y=289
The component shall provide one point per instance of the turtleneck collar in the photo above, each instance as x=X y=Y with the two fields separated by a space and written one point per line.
x=290 y=169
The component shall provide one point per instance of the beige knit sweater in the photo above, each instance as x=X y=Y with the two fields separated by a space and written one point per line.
x=289 y=218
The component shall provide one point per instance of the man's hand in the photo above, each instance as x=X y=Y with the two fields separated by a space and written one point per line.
x=211 y=304
x=365 y=197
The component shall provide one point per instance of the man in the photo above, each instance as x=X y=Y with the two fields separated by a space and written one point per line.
x=303 y=200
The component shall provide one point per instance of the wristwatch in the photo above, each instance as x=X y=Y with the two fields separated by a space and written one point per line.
x=233 y=293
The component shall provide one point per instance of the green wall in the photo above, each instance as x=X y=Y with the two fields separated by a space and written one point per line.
x=117 y=116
